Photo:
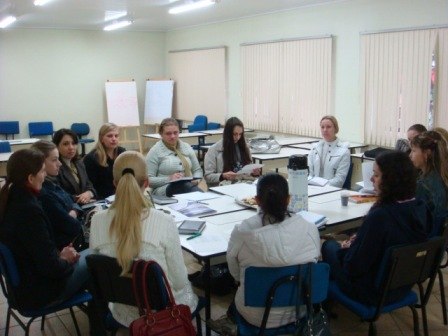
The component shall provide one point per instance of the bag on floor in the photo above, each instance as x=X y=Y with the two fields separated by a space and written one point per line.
x=173 y=320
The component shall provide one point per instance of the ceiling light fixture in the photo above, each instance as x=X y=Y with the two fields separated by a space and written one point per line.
x=118 y=25
x=191 y=6
x=7 y=21
x=41 y=2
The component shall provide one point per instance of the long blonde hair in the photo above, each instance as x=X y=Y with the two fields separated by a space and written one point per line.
x=130 y=205
x=101 y=154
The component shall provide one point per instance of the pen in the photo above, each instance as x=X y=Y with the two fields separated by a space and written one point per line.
x=194 y=236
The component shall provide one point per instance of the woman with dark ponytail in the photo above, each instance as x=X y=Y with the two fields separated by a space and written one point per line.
x=272 y=238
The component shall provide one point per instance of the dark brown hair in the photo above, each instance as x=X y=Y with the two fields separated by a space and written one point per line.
x=228 y=155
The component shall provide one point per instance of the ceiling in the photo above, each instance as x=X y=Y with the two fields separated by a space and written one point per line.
x=147 y=15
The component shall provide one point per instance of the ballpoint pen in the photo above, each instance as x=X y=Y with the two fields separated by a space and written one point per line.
x=194 y=236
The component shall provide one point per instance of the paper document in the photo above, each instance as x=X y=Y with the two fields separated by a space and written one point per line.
x=192 y=209
x=247 y=169
x=317 y=181
x=197 y=196
x=313 y=217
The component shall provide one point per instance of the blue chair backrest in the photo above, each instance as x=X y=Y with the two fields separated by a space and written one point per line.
x=259 y=280
x=80 y=129
x=348 y=180
x=8 y=266
x=5 y=147
x=213 y=125
x=9 y=127
x=40 y=128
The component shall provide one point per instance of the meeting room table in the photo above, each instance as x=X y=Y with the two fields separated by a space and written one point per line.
x=229 y=210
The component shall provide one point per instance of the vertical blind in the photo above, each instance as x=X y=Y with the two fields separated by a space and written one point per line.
x=200 y=83
x=396 y=70
x=287 y=85
x=441 y=104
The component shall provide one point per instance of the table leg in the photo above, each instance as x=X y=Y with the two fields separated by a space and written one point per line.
x=207 y=293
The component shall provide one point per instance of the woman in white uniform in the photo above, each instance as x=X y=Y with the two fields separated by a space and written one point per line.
x=330 y=157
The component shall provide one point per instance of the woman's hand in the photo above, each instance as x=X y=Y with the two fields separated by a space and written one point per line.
x=230 y=175
x=176 y=176
x=85 y=197
x=69 y=253
x=73 y=213
x=347 y=243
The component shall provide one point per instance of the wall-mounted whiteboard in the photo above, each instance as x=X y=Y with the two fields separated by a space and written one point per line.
x=159 y=100
x=122 y=106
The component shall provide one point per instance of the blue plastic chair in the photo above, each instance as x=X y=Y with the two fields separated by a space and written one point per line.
x=10 y=280
x=110 y=286
x=40 y=128
x=267 y=287
x=402 y=267
x=5 y=147
x=82 y=129
x=348 y=180
x=199 y=124
x=213 y=125
x=8 y=128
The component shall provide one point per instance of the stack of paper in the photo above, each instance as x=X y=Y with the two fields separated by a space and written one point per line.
x=313 y=217
x=317 y=181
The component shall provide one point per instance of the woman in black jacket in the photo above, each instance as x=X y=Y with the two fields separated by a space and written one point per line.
x=72 y=175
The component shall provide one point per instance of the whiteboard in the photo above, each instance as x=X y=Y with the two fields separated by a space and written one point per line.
x=122 y=106
x=159 y=100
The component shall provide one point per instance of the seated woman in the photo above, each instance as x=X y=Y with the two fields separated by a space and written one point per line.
x=226 y=157
x=72 y=175
x=48 y=275
x=429 y=154
x=58 y=205
x=171 y=159
x=130 y=229
x=100 y=161
x=396 y=218
x=404 y=145
x=271 y=238
x=329 y=158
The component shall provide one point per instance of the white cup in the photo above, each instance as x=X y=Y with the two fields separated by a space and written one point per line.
x=345 y=194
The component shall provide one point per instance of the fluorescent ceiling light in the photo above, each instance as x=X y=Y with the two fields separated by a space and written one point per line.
x=114 y=15
x=41 y=2
x=117 y=25
x=191 y=6
x=7 y=21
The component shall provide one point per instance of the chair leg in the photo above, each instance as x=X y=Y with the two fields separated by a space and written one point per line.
x=442 y=296
x=198 y=325
x=42 y=322
x=8 y=319
x=78 y=332
x=415 y=318
x=28 y=326
x=425 y=321
x=372 y=329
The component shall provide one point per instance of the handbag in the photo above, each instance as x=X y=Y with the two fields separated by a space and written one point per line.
x=315 y=322
x=264 y=145
x=173 y=320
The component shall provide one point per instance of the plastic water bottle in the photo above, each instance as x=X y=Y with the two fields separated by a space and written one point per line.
x=298 y=183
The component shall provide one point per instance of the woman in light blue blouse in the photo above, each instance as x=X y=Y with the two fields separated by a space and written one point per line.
x=170 y=160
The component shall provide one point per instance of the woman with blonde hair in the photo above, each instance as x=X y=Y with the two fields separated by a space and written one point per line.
x=100 y=161
x=330 y=157
x=131 y=229
x=429 y=154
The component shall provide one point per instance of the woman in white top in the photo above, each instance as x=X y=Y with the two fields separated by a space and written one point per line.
x=130 y=229
x=330 y=158
x=272 y=238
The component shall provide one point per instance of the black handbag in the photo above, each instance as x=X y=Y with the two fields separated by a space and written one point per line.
x=315 y=322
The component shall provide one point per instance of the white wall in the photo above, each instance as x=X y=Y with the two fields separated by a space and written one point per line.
x=59 y=75
x=344 y=20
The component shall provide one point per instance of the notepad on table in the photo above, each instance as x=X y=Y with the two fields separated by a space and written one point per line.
x=317 y=181
x=191 y=227
x=363 y=198
x=192 y=209
x=319 y=220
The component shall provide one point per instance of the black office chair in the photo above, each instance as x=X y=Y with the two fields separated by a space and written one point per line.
x=10 y=280
x=402 y=267
x=110 y=286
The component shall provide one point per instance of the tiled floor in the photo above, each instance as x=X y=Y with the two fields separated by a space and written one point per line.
x=396 y=324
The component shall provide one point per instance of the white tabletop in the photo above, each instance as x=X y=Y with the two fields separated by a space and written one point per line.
x=181 y=135
x=27 y=141
x=351 y=145
x=4 y=157
x=295 y=140
x=241 y=190
x=285 y=152
x=221 y=131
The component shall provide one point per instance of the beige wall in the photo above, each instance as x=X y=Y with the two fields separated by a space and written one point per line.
x=59 y=75
x=344 y=20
